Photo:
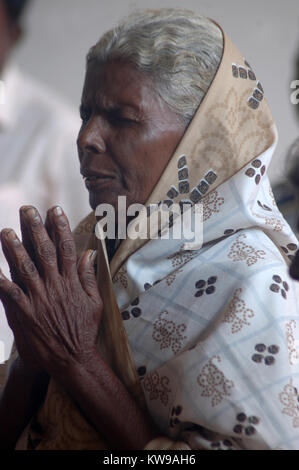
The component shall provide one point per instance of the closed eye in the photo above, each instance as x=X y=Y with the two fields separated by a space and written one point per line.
x=118 y=119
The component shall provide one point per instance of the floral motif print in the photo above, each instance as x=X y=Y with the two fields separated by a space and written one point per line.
x=205 y=287
x=279 y=286
x=213 y=383
x=172 y=276
x=257 y=96
x=121 y=277
x=203 y=186
x=293 y=352
x=181 y=257
x=274 y=222
x=183 y=179
x=242 y=252
x=157 y=387
x=183 y=186
x=237 y=313
x=289 y=398
x=256 y=169
x=269 y=358
x=211 y=204
x=246 y=424
x=242 y=72
x=134 y=310
x=289 y=250
x=168 y=334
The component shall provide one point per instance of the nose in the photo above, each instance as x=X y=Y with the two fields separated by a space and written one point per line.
x=92 y=137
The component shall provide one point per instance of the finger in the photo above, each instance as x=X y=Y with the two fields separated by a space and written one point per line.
x=19 y=261
x=37 y=240
x=87 y=276
x=65 y=244
x=12 y=268
x=26 y=239
x=49 y=227
x=13 y=299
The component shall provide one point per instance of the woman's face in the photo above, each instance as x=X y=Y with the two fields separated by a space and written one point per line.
x=127 y=135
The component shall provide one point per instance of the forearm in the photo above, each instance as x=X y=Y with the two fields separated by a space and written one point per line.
x=108 y=406
x=19 y=400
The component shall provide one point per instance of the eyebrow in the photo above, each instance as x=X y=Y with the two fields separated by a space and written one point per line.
x=114 y=107
x=120 y=106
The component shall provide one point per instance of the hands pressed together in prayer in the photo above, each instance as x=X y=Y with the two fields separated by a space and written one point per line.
x=54 y=308
x=53 y=305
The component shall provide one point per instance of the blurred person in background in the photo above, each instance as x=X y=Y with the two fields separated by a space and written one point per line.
x=39 y=163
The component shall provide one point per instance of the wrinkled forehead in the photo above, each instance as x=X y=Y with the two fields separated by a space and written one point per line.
x=116 y=82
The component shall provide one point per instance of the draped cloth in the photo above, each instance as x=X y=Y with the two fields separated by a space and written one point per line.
x=206 y=339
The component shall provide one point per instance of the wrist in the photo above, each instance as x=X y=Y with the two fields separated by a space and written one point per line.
x=27 y=369
x=79 y=368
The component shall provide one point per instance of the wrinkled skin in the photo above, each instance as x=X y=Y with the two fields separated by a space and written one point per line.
x=127 y=132
x=54 y=309
x=52 y=303
x=54 y=274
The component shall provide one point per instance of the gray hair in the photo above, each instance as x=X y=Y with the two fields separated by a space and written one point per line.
x=179 y=49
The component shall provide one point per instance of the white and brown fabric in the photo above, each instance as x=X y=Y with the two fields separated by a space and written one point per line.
x=212 y=333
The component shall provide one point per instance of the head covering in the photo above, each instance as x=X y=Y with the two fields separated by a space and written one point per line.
x=213 y=332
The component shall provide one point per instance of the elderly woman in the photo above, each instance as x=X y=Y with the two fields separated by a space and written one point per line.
x=185 y=348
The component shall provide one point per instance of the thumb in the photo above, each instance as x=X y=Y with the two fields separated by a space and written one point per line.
x=86 y=273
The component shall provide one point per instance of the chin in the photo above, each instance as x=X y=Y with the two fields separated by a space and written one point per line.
x=95 y=199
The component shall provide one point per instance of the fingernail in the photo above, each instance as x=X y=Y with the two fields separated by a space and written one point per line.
x=93 y=256
x=58 y=211
x=32 y=213
x=13 y=237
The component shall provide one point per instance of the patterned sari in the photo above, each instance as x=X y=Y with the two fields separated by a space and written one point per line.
x=206 y=339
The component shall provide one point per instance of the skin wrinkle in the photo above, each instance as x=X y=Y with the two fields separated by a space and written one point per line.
x=60 y=308
x=138 y=150
x=46 y=253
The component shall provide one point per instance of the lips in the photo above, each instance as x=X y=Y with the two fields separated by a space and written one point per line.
x=94 y=180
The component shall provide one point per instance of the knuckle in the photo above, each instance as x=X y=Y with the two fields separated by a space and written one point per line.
x=15 y=292
x=27 y=268
x=68 y=248
x=89 y=279
x=46 y=251
x=62 y=222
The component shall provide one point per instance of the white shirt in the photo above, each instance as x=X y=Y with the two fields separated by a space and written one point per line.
x=39 y=162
